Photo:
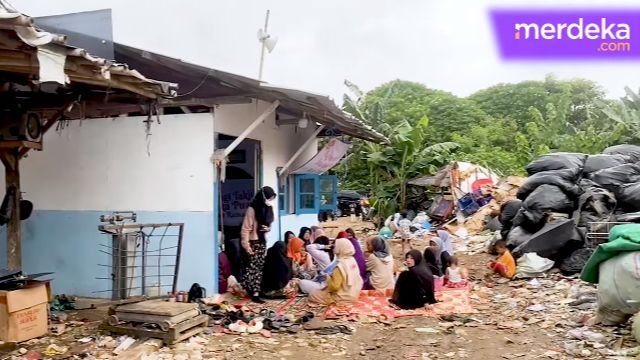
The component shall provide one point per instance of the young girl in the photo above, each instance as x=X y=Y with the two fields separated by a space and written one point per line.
x=456 y=276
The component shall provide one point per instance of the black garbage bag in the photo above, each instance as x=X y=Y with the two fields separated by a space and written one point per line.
x=624 y=149
x=508 y=211
x=517 y=236
x=633 y=217
x=594 y=205
x=612 y=178
x=599 y=162
x=565 y=179
x=628 y=196
x=545 y=199
x=557 y=161
x=550 y=240
x=575 y=262
x=493 y=224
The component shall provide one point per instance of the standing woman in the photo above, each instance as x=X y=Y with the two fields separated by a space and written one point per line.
x=256 y=224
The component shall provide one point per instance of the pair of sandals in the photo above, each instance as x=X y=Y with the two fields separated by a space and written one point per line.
x=276 y=323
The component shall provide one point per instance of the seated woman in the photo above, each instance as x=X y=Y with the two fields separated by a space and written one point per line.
x=278 y=271
x=316 y=232
x=302 y=263
x=432 y=264
x=414 y=287
x=359 y=255
x=344 y=283
x=379 y=264
x=305 y=235
x=443 y=249
x=320 y=252
x=288 y=236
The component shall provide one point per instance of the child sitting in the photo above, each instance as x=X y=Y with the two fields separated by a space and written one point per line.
x=456 y=276
x=504 y=265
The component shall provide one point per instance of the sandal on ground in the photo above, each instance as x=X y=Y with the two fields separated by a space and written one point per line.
x=293 y=329
x=268 y=314
x=344 y=329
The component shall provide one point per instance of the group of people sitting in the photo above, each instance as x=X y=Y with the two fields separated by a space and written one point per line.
x=335 y=271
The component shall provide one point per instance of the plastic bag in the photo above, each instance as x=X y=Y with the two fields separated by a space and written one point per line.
x=531 y=265
x=517 y=236
x=565 y=179
x=550 y=240
x=508 y=211
x=575 y=262
x=557 y=161
x=599 y=162
x=618 y=289
x=546 y=198
x=594 y=205
x=628 y=196
x=612 y=178
x=630 y=150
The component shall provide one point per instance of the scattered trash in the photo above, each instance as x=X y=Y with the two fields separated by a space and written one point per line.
x=54 y=349
x=427 y=330
x=124 y=345
x=536 y=307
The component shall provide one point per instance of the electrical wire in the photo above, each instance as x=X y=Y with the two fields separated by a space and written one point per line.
x=197 y=86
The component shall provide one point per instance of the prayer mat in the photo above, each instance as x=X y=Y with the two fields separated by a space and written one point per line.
x=376 y=303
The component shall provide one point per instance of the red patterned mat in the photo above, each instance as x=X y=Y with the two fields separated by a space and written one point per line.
x=376 y=303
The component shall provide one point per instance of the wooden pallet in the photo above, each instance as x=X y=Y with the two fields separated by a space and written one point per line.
x=175 y=334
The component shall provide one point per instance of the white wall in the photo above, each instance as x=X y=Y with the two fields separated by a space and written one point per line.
x=278 y=143
x=102 y=164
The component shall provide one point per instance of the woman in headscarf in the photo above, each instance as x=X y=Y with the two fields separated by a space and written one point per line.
x=431 y=262
x=442 y=255
x=414 y=287
x=447 y=244
x=359 y=256
x=302 y=263
x=288 y=236
x=305 y=235
x=316 y=232
x=320 y=252
x=278 y=271
x=344 y=283
x=256 y=224
x=379 y=264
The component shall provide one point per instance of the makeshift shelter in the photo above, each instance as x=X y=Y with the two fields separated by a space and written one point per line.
x=44 y=80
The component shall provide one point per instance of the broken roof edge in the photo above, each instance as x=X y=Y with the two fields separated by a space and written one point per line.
x=25 y=30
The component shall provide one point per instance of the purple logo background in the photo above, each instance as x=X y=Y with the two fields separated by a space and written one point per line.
x=504 y=21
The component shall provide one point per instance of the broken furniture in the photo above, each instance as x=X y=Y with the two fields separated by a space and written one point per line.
x=170 y=321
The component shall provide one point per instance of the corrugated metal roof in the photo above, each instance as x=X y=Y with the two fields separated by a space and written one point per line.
x=23 y=46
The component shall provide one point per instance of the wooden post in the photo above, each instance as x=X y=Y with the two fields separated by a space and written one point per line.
x=11 y=161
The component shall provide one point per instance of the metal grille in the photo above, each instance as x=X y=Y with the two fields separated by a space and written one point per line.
x=598 y=232
x=141 y=259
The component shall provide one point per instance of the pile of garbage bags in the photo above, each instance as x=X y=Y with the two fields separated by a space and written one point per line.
x=563 y=195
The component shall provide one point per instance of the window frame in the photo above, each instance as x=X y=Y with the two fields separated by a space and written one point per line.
x=317 y=194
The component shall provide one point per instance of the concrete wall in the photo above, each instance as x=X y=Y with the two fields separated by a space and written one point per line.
x=278 y=144
x=98 y=166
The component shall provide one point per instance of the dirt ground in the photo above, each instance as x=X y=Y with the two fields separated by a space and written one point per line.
x=515 y=320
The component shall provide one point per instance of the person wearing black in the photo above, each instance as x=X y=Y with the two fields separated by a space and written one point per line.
x=414 y=287
x=278 y=271
x=431 y=262
x=256 y=224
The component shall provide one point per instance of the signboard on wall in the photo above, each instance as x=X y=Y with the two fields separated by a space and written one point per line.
x=236 y=197
x=325 y=159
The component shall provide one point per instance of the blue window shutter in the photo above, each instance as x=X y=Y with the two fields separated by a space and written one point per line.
x=307 y=194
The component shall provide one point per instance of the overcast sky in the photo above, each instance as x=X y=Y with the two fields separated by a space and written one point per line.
x=443 y=44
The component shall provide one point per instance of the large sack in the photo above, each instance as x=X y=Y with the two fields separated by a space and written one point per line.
x=594 y=205
x=599 y=162
x=575 y=262
x=612 y=178
x=630 y=150
x=628 y=196
x=565 y=179
x=531 y=265
x=544 y=199
x=619 y=288
x=550 y=240
x=557 y=161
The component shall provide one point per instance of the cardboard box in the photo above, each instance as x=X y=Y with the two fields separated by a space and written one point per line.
x=24 y=312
